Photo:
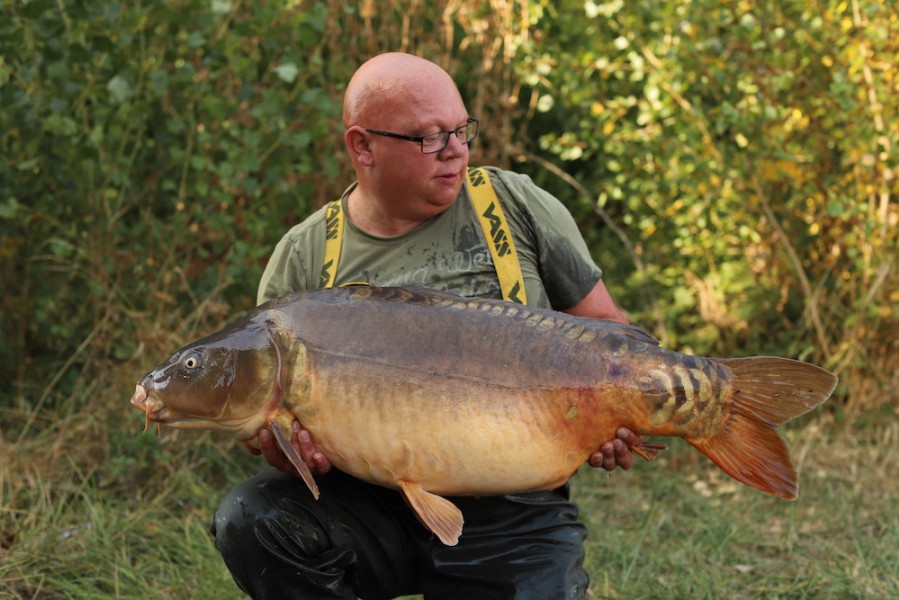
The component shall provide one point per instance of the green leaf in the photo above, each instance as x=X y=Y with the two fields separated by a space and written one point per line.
x=120 y=89
x=220 y=7
x=9 y=208
x=27 y=165
x=287 y=72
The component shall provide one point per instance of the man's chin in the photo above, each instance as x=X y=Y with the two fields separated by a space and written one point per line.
x=446 y=190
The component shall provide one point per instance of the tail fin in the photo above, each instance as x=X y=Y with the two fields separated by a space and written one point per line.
x=766 y=392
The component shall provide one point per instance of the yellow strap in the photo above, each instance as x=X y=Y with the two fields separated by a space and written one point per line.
x=490 y=216
x=334 y=225
x=499 y=236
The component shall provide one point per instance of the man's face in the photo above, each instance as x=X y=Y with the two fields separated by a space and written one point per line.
x=423 y=184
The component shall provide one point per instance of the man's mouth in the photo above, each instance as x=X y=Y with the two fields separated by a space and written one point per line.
x=449 y=178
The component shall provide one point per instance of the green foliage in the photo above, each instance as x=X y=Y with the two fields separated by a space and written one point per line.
x=152 y=152
x=152 y=155
x=740 y=156
x=748 y=152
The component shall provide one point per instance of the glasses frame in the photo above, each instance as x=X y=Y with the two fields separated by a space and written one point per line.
x=446 y=135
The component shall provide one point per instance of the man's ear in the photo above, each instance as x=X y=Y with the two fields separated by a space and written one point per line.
x=358 y=144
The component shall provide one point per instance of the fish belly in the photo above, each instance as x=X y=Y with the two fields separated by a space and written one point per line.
x=452 y=435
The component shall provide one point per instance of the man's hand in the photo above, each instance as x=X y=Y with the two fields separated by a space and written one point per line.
x=301 y=440
x=616 y=453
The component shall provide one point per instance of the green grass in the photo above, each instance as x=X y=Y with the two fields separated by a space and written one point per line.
x=88 y=513
x=683 y=529
x=92 y=508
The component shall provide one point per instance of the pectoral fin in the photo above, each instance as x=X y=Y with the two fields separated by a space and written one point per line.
x=438 y=514
x=295 y=459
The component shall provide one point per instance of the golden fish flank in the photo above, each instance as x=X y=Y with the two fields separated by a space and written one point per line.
x=401 y=387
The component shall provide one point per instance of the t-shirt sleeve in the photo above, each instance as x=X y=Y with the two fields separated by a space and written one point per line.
x=284 y=273
x=564 y=263
x=295 y=263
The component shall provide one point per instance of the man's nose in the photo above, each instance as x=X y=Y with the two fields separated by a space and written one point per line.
x=454 y=147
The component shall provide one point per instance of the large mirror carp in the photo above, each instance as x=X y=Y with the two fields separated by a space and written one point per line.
x=435 y=394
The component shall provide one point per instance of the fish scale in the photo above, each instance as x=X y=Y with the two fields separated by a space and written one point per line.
x=434 y=394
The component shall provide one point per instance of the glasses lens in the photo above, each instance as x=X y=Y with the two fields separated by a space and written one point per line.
x=434 y=142
x=469 y=131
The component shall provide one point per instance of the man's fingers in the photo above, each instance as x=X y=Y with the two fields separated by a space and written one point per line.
x=306 y=445
x=612 y=455
x=322 y=464
x=623 y=456
x=302 y=441
x=628 y=437
x=618 y=452
x=605 y=458
x=273 y=454
x=318 y=462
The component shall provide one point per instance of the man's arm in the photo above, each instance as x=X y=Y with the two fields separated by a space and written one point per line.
x=285 y=273
x=598 y=304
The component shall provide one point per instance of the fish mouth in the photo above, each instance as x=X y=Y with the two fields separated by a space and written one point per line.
x=155 y=411
x=152 y=407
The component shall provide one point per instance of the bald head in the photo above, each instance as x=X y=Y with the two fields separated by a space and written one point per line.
x=395 y=85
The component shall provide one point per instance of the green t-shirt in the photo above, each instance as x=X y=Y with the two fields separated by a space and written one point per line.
x=448 y=252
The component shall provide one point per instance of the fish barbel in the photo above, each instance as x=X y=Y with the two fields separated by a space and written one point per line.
x=403 y=388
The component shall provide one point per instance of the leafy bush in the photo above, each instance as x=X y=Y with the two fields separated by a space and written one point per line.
x=734 y=164
x=153 y=153
x=746 y=152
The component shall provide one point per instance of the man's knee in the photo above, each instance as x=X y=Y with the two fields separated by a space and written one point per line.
x=269 y=510
x=234 y=523
x=271 y=538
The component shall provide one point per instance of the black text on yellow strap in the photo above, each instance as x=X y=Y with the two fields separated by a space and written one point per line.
x=333 y=241
x=498 y=236
x=497 y=232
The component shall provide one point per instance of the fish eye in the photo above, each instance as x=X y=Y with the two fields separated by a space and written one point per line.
x=191 y=361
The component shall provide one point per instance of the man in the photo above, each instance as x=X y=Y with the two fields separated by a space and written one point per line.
x=409 y=221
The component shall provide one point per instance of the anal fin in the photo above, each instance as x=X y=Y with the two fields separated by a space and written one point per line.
x=438 y=514
x=295 y=459
x=752 y=453
x=648 y=450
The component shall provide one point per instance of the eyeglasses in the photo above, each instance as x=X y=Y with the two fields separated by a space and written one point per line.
x=437 y=141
